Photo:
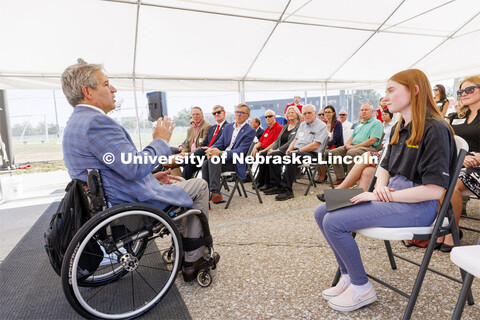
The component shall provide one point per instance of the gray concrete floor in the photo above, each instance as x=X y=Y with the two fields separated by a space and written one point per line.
x=274 y=261
x=275 y=264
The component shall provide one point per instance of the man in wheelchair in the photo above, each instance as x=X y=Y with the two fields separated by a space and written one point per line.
x=92 y=140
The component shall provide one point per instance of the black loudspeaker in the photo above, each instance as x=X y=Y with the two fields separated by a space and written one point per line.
x=157 y=105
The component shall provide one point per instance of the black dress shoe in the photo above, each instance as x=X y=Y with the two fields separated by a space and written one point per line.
x=321 y=197
x=265 y=187
x=273 y=190
x=446 y=248
x=285 y=195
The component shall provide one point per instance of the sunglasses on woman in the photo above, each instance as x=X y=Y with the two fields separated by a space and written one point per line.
x=467 y=90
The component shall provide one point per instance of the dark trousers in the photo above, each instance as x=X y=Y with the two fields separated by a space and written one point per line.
x=275 y=170
x=189 y=169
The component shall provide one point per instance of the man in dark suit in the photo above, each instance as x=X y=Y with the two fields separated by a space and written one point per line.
x=236 y=139
x=255 y=124
x=213 y=134
x=93 y=140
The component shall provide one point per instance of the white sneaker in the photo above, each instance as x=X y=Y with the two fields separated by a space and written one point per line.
x=348 y=302
x=335 y=291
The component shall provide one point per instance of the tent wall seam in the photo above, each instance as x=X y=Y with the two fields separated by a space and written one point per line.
x=266 y=41
x=444 y=41
x=363 y=44
x=275 y=20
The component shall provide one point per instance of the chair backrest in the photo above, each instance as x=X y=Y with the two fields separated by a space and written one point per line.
x=380 y=145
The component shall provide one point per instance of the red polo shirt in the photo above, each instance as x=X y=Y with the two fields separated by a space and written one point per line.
x=270 y=135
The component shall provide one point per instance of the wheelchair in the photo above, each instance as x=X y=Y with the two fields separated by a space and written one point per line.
x=123 y=261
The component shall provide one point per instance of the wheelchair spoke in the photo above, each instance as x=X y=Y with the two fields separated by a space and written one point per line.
x=146 y=281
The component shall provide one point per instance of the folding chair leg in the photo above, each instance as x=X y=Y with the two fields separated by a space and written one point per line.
x=231 y=195
x=309 y=175
x=390 y=255
x=243 y=188
x=466 y=289
x=225 y=184
x=254 y=183
x=330 y=177
x=419 y=281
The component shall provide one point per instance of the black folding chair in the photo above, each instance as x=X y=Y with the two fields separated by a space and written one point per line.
x=238 y=182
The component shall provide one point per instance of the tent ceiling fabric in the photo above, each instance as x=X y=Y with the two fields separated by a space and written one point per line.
x=229 y=45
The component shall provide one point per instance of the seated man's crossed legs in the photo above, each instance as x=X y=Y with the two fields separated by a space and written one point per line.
x=211 y=172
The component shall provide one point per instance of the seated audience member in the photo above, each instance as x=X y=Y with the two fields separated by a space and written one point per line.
x=335 y=134
x=196 y=133
x=269 y=135
x=381 y=107
x=346 y=125
x=440 y=97
x=282 y=141
x=255 y=124
x=90 y=134
x=466 y=124
x=236 y=139
x=387 y=117
x=213 y=134
x=306 y=145
x=295 y=103
x=365 y=137
x=321 y=116
x=411 y=180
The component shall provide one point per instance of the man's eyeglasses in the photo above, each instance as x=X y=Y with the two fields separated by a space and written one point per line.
x=270 y=116
x=467 y=90
x=342 y=115
x=216 y=112
x=240 y=113
x=321 y=114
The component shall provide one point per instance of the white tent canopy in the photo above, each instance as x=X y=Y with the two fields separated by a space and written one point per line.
x=238 y=45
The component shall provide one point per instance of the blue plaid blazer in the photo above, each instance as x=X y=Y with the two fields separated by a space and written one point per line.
x=90 y=135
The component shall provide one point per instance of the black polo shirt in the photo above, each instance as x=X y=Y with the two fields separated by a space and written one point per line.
x=468 y=131
x=430 y=162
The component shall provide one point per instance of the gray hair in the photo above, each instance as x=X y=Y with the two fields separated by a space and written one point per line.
x=297 y=112
x=311 y=106
x=218 y=106
x=367 y=104
x=201 y=111
x=75 y=77
x=270 y=110
x=243 y=105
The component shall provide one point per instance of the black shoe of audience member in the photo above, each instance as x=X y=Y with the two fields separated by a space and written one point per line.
x=273 y=190
x=285 y=195
x=321 y=197
x=265 y=187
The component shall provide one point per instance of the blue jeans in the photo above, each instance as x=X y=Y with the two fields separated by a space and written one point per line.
x=337 y=225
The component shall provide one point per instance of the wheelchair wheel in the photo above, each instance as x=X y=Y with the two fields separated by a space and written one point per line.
x=113 y=268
